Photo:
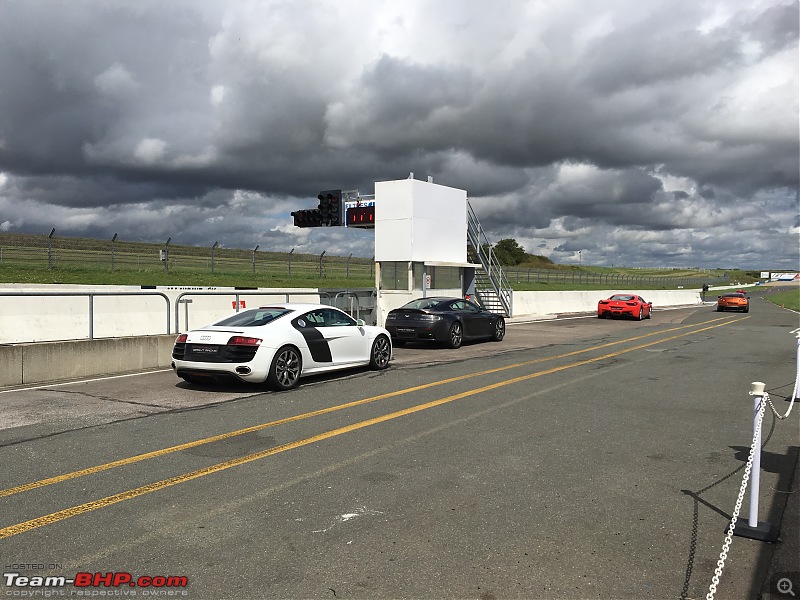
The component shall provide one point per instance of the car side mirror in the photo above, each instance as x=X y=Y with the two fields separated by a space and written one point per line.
x=360 y=322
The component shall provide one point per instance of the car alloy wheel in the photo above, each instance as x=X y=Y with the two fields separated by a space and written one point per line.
x=284 y=373
x=381 y=353
x=641 y=313
x=456 y=335
x=499 y=330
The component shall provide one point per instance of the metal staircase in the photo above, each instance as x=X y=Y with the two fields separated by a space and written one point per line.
x=491 y=285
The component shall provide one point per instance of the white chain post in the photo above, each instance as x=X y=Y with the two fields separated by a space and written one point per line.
x=757 y=392
x=763 y=531
x=796 y=391
x=753 y=529
x=758 y=420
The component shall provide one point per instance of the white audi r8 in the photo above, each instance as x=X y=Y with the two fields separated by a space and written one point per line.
x=279 y=344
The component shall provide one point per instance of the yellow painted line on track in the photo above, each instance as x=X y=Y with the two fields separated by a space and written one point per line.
x=223 y=436
x=165 y=483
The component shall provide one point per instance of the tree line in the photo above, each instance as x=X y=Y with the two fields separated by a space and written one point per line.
x=509 y=253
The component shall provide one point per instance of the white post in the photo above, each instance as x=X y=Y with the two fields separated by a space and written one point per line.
x=796 y=391
x=757 y=391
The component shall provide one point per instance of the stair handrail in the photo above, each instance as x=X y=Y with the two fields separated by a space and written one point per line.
x=477 y=238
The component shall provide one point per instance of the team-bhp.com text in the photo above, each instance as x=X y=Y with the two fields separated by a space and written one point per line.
x=95 y=584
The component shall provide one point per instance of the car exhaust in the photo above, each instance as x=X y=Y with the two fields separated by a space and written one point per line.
x=243 y=370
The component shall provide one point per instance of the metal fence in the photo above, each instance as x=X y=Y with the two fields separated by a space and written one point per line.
x=41 y=251
x=611 y=279
x=52 y=252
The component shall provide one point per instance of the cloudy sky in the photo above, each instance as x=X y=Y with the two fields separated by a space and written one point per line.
x=639 y=132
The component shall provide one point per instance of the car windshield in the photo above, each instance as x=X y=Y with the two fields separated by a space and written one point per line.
x=622 y=297
x=422 y=303
x=253 y=317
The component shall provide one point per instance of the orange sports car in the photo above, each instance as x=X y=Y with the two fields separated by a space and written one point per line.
x=733 y=301
x=624 y=305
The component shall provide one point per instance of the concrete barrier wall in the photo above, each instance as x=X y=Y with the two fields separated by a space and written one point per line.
x=553 y=303
x=44 y=362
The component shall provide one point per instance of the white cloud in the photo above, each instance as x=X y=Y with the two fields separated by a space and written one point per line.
x=218 y=94
x=150 y=150
x=116 y=80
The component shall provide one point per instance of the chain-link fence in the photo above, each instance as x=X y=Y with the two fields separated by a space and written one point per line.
x=40 y=251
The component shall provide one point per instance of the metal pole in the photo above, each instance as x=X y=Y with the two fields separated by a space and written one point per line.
x=254 y=259
x=91 y=316
x=50 y=249
x=796 y=392
x=214 y=247
x=320 y=263
x=112 y=252
x=166 y=255
x=347 y=275
x=290 y=262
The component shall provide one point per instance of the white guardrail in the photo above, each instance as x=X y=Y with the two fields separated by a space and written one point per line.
x=73 y=312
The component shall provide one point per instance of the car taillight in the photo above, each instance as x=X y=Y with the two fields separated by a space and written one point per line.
x=603 y=301
x=181 y=339
x=631 y=303
x=240 y=340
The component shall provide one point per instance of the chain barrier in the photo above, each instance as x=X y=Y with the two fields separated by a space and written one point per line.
x=775 y=411
x=758 y=390
x=729 y=536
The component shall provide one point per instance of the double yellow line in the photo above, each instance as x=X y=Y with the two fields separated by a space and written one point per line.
x=165 y=483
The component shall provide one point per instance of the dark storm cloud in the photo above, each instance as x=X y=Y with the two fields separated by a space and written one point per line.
x=644 y=132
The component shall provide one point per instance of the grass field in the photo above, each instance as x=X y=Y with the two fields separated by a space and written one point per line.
x=787 y=298
x=88 y=275
x=307 y=275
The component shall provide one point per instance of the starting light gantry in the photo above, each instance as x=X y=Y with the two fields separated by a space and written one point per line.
x=337 y=208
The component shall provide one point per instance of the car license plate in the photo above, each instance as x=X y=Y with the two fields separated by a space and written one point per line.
x=205 y=350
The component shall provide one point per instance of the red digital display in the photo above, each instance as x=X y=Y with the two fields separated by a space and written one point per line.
x=361 y=216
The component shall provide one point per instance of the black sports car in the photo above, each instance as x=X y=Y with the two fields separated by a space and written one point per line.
x=449 y=321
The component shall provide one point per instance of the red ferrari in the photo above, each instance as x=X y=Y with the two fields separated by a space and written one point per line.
x=624 y=305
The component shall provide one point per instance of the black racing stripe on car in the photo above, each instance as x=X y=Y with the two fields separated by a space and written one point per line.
x=317 y=344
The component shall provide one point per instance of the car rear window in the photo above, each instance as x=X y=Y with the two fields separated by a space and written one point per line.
x=622 y=298
x=733 y=295
x=253 y=317
x=423 y=303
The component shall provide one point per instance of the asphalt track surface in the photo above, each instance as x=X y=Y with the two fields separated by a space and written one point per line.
x=579 y=458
